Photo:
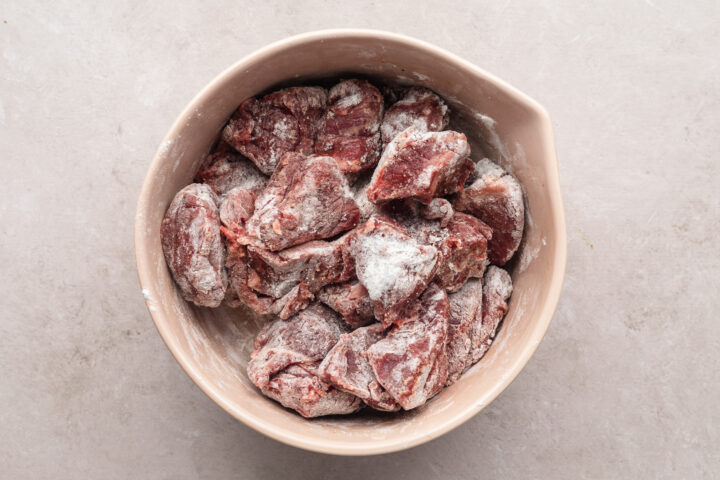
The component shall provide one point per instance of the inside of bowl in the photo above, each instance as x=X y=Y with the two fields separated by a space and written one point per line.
x=214 y=344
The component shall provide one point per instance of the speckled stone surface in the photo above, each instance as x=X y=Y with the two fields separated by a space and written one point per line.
x=625 y=383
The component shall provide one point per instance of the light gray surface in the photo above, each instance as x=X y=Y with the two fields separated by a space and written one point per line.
x=624 y=385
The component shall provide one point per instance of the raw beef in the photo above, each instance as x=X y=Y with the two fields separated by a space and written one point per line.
x=306 y=199
x=496 y=198
x=351 y=300
x=225 y=170
x=461 y=245
x=421 y=165
x=420 y=108
x=392 y=266
x=497 y=288
x=284 y=121
x=410 y=362
x=349 y=131
x=347 y=368
x=285 y=361
x=193 y=247
x=299 y=387
x=465 y=307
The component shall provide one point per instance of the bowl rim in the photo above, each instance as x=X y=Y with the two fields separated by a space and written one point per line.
x=545 y=315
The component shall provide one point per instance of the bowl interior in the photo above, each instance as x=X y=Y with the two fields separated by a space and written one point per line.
x=213 y=345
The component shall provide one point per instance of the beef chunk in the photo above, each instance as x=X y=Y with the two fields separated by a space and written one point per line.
x=347 y=368
x=316 y=264
x=392 y=266
x=294 y=275
x=465 y=307
x=236 y=207
x=285 y=360
x=410 y=362
x=284 y=121
x=351 y=300
x=349 y=131
x=299 y=387
x=421 y=165
x=463 y=252
x=497 y=288
x=306 y=199
x=224 y=170
x=461 y=245
x=420 y=108
x=193 y=247
x=496 y=198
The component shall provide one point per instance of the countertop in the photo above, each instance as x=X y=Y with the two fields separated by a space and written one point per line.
x=625 y=383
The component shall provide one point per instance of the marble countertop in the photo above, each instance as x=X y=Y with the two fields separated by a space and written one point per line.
x=624 y=385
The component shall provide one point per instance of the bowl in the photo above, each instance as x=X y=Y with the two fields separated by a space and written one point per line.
x=214 y=345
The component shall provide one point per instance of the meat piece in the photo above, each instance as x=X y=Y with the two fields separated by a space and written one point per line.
x=438 y=209
x=351 y=300
x=497 y=288
x=193 y=247
x=463 y=252
x=284 y=282
x=465 y=307
x=303 y=339
x=284 y=121
x=347 y=368
x=306 y=199
x=238 y=291
x=353 y=154
x=496 y=198
x=236 y=207
x=294 y=275
x=421 y=165
x=420 y=108
x=226 y=170
x=315 y=264
x=461 y=245
x=392 y=266
x=410 y=362
x=349 y=131
x=299 y=387
x=285 y=360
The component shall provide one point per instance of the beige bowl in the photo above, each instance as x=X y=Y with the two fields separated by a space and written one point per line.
x=213 y=346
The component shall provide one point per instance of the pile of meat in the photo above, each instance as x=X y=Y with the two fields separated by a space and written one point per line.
x=365 y=229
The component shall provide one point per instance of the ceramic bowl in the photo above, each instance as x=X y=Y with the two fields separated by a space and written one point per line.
x=213 y=345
